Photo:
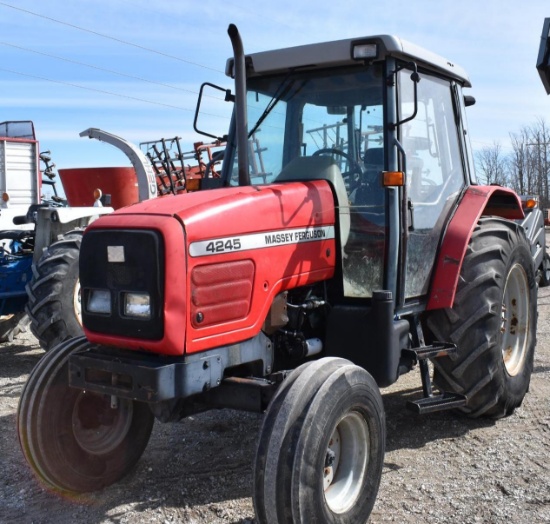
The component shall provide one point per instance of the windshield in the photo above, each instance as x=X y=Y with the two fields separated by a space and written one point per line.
x=338 y=114
x=306 y=113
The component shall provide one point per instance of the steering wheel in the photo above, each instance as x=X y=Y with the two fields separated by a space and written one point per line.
x=354 y=168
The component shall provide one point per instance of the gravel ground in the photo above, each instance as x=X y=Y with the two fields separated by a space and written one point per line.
x=439 y=468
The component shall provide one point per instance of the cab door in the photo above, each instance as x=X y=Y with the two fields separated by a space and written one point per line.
x=435 y=171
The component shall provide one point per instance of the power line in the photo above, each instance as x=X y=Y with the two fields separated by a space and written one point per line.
x=36 y=77
x=99 y=68
x=70 y=84
x=120 y=41
x=104 y=92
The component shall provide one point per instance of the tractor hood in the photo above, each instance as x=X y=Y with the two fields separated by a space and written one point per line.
x=211 y=260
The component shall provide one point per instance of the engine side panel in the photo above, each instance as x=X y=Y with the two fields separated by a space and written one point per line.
x=271 y=240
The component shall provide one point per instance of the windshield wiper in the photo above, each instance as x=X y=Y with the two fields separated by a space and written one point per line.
x=282 y=91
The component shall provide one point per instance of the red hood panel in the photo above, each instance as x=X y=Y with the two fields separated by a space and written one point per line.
x=242 y=246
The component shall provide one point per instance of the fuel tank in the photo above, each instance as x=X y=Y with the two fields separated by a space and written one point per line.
x=223 y=256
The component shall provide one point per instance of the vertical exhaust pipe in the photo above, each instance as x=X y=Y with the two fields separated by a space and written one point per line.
x=241 y=117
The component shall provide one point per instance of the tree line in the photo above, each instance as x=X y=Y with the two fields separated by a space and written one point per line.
x=526 y=168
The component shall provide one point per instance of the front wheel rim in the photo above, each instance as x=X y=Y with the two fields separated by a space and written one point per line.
x=97 y=427
x=346 y=462
x=515 y=320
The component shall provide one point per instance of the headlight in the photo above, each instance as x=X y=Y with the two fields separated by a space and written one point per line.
x=137 y=305
x=365 y=51
x=99 y=301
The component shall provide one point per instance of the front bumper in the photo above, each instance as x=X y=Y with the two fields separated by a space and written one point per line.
x=152 y=378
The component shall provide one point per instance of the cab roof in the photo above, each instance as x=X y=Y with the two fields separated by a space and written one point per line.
x=340 y=53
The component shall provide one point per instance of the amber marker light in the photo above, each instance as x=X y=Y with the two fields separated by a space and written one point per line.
x=531 y=203
x=5 y=197
x=393 y=178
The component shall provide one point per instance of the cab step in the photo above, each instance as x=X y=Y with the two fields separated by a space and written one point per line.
x=435 y=403
x=436 y=350
x=431 y=402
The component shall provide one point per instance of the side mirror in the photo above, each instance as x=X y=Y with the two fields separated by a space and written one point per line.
x=543 y=60
x=228 y=98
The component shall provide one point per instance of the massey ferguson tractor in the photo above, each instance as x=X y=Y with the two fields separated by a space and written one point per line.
x=363 y=249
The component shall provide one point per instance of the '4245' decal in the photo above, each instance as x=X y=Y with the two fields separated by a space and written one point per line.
x=221 y=246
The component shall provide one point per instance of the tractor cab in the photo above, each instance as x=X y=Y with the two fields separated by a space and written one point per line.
x=383 y=121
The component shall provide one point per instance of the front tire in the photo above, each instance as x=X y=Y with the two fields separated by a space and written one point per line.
x=326 y=450
x=72 y=439
x=492 y=322
x=54 y=293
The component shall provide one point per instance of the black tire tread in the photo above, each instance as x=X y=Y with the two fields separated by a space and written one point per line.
x=51 y=290
x=298 y=494
x=287 y=405
x=35 y=406
x=544 y=281
x=290 y=414
x=473 y=323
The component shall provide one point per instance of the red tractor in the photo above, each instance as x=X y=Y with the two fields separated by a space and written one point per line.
x=364 y=248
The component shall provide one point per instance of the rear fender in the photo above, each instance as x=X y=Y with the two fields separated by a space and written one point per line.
x=476 y=201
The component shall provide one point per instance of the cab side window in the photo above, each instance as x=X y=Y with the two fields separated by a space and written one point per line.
x=435 y=171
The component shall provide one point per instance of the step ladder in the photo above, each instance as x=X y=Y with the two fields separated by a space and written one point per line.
x=431 y=402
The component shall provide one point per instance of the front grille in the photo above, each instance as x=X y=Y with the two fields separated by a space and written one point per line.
x=123 y=261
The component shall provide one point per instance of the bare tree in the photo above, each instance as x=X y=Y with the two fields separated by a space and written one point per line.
x=539 y=146
x=492 y=165
x=521 y=168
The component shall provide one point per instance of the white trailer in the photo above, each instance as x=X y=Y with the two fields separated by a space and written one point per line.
x=20 y=179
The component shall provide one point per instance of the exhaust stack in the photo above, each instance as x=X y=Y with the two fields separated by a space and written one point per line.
x=240 y=104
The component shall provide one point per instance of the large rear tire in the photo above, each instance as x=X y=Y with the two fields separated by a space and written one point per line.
x=321 y=447
x=543 y=273
x=54 y=293
x=13 y=325
x=492 y=322
x=74 y=440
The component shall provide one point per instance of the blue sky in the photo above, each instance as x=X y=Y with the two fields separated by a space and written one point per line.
x=67 y=79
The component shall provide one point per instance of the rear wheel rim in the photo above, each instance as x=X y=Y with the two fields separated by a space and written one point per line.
x=515 y=320
x=77 y=303
x=98 y=428
x=346 y=462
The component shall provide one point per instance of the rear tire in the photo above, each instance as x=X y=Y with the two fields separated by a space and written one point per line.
x=325 y=440
x=492 y=322
x=72 y=439
x=54 y=293
x=13 y=325
x=543 y=273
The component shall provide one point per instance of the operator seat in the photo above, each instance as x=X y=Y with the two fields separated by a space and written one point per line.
x=370 y=191
x=320 y=167
x=374 y=160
